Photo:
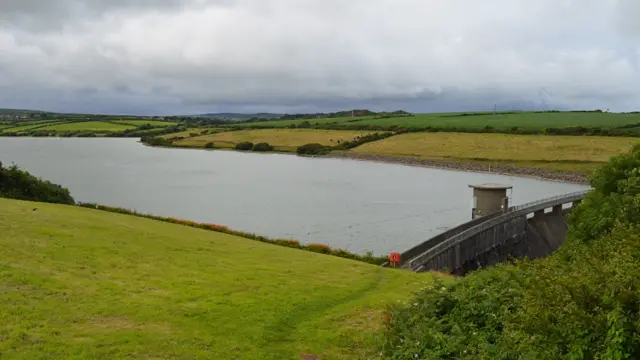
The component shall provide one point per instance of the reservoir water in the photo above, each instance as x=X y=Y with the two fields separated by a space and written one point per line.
x=354 y=205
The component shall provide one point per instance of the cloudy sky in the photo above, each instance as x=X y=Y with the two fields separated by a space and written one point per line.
x=194 y=56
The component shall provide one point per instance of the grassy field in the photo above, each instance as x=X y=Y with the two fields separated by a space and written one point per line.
x=188 y=132
x=285 y=123
x=89 y=126
x=576 y=153
x=145 y=122
x=29 y=126
x=507 y=121
x=503 y=121
x=281 y=139
x=81 y=283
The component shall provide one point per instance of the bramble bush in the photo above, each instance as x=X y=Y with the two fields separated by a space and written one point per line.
x=579 y=303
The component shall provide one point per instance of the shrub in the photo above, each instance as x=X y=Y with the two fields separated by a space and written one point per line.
x=21 y=185
x=156 y=141
x=359 y=140
x=262 y=147
x=321 y=248
x=244 y=146
x=209 y=145
x=313 y=149
x=579 y=303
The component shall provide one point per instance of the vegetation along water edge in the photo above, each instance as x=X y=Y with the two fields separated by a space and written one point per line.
x=553 y=145
x=560 y=158
x=21 y=185
x=579 y=303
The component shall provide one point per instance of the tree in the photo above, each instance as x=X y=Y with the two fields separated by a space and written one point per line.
x=245 y=146
x=262 y=147
x=313 y=149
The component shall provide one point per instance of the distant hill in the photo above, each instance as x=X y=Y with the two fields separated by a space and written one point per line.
x=239 y=116
x=18 y=111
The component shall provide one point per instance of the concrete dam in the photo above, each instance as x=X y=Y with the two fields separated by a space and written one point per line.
x=496 y=233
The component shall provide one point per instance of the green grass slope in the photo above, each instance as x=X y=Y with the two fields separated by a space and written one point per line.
x=80 y=283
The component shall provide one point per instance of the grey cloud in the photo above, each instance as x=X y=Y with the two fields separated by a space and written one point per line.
x=629 y=15
x=58 y=15
x=47 y=8
x=425 y=55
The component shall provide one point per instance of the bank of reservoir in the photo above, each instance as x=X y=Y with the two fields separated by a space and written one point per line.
x=355 y=205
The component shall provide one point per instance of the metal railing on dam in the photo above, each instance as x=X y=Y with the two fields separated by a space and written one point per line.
x=461 y=244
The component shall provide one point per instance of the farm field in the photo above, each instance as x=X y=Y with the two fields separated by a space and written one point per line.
x=502 y=121
x=89 y=126
x=30 y=126
x=286 y=123
x=69 y=126
x=187 y=133
x=529 y=121
x=569 y=153
x=82 y=283
x=29 y=122
x=137 y=123
x=281 y=139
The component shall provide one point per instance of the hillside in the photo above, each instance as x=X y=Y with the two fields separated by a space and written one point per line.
x=82 y=283
x=516 y=122
x=579 y=303
x=240 y=116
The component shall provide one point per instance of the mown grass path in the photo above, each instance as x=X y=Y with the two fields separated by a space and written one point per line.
x=78 y=283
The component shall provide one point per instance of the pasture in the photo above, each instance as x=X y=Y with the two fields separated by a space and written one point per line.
x=187 y=133
x=137 y=123
x=27 y=126
x=502 y=121
x=88 y=126
x=314 y=122
x=82 y=283
x=575 y=153
x=506 y=121
x=281 y=139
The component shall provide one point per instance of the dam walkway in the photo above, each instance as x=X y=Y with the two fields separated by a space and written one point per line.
x=531 y=230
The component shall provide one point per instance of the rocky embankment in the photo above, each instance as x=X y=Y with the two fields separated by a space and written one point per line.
x=538 y=173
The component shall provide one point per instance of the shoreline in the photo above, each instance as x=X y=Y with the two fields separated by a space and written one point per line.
x=506 y=170
x=528 y=172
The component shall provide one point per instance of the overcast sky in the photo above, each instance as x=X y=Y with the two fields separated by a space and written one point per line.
x=194 y=56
